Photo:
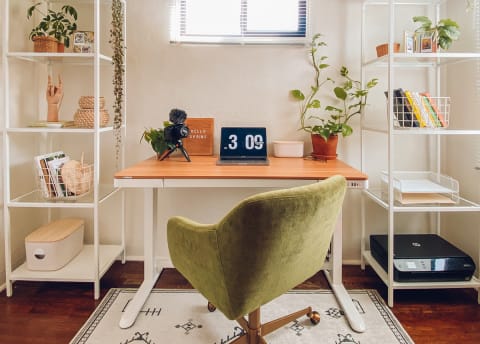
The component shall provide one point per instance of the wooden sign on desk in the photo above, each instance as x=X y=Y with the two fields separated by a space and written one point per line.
x=200 y=140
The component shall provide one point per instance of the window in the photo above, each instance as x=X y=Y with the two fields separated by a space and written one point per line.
x=239 y=21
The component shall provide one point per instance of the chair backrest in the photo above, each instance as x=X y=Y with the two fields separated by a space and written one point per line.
x=273 y=241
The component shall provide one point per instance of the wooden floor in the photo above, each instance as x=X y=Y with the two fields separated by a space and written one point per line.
x=41 y=313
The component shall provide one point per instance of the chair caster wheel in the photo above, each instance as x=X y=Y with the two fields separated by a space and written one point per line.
x=314 y=317
x=211 y=307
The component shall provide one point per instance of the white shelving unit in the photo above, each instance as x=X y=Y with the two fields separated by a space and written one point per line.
x=22 y=195
x=388 y=68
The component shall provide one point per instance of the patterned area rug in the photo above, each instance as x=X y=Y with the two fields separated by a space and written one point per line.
x=181 y=317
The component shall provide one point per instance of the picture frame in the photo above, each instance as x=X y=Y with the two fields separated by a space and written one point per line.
x=83 y=41
x=427 y=43
x=409 y=42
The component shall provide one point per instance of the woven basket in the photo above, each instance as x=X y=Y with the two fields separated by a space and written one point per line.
x=84 y=118
x=45 y=44
x=87 y=102
x=77 y=177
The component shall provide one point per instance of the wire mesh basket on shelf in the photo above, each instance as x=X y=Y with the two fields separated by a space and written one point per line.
x=63 y=179
x=420 y=110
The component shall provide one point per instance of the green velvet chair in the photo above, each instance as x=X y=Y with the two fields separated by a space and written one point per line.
x=265 y=246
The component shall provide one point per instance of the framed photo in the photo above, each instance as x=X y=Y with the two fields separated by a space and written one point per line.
x=426 y=43
x=409 y=42
x=83 y=42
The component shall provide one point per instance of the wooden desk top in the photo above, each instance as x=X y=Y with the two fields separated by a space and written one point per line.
x=205 y=167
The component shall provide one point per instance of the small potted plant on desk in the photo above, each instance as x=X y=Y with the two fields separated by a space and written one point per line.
x=156 y=138
x=350 y=98
x=53 y=32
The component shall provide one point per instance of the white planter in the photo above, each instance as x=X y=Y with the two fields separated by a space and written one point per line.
x=288 y=149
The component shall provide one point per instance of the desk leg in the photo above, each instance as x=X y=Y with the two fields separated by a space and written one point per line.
x=150 y=272
x=334 y=277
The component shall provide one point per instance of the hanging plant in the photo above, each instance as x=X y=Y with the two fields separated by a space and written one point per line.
x=118 y=47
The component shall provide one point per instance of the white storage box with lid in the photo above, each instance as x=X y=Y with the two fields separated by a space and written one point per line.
x=53 y=245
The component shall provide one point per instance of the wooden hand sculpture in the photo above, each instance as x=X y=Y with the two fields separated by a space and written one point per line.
x=54 y=99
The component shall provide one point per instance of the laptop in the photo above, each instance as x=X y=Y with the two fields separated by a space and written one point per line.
x=243 y=146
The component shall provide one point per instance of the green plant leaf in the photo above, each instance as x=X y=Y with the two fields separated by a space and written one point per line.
x=340 y=93
x=426 y=23
x=314 y=104
x=346 y=130
x=297 y=94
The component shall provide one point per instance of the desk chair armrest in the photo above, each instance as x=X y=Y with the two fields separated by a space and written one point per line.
x=194 y=252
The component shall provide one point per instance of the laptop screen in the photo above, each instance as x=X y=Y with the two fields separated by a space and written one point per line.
x=247 y=143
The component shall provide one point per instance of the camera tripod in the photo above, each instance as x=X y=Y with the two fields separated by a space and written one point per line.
x=170 y=150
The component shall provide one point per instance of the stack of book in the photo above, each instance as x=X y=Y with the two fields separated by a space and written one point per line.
x=419 y=109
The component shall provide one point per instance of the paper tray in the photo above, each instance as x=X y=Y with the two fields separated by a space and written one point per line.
x=421 y=187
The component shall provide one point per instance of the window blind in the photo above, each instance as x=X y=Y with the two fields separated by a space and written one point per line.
x=239 y=21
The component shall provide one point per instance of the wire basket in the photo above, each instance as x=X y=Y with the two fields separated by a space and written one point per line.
x=87 y=102
x=421 y=111
x=84 y=118
x=65 y=180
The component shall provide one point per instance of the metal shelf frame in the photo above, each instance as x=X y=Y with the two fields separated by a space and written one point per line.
x=391 y=64
x=96 y=258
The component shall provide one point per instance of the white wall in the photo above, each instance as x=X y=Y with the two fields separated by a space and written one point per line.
x=244 y=85
x=237 y=85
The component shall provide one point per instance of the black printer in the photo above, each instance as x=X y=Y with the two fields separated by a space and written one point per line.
x=423 y=258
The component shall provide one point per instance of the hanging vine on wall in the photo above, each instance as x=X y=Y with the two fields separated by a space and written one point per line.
x=118 y=46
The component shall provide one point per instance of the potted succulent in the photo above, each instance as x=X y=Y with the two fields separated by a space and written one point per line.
x=443 y=34
x=350 y=97
x=55 y=26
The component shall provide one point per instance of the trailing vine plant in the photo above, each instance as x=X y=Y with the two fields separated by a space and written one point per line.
x=118 y=47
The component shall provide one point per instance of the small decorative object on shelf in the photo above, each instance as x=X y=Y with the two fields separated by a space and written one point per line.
x=53 y=32
x=382 y=49
x=84 y=116
x=83 y=42
x=409 y=42
x=54 y=98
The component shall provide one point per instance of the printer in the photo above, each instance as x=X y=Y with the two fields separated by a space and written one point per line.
x=423 y=258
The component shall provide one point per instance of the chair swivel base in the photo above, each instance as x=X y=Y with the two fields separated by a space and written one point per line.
x=255 y=330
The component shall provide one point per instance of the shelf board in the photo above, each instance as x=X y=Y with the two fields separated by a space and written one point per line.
x=79 y=269
x=462 y=205
x=419 y=131
x=69 y=130
x=422 y=59
x=34 y=199
x=473 y=283
x=64 y=58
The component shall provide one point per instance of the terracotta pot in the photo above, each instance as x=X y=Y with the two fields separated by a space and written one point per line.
x=60 y=47
x=324 y=150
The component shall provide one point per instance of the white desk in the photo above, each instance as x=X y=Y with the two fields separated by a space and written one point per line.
x=152 y=175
